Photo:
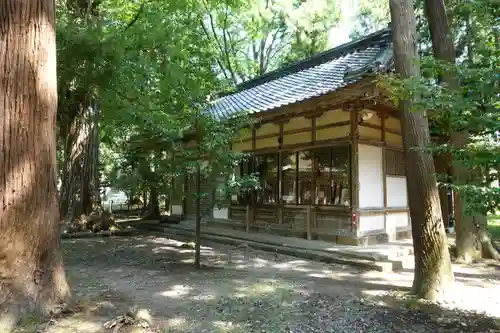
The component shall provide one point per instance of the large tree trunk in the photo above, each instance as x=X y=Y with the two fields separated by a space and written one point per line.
x=32 y=274
x=80 y=176
x=433 y=273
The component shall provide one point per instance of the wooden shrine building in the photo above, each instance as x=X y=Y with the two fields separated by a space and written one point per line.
x=327 y=147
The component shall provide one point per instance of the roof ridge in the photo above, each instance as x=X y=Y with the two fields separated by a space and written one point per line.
x=380 y=36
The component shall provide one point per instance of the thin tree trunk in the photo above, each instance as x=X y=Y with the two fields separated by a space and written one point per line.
x=433 y=273
x=89 y=186
x=32 y=273
x=197 y=258
x=441 y=167
x=145 y=201
x=197 y=250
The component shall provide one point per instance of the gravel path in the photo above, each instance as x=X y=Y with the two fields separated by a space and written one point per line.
x=245 y=290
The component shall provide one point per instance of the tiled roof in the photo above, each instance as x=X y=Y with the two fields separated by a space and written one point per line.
x=318 y=75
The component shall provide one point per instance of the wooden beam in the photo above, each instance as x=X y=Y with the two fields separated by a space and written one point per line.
x=378 y=127
x=281 y=120
x=313 y=115
x=269 y=118
x=297 y=131
x=304 y=145
x=385 y=109
x=382 y=128
x=378 y=143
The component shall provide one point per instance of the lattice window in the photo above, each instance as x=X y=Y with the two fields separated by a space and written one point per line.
x=331 y=170
x=267 y=167
x=395 y=163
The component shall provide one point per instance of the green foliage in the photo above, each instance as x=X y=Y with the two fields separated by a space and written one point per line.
x=472 y=106
x=373 y=15
x=150 y=67
x=494 y=226
x=250 y=38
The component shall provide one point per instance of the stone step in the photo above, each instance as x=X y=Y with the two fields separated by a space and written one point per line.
x=396 y=256
x=322 y=256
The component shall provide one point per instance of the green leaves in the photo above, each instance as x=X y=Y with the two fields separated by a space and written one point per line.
x=250 y=38
x=472 y=106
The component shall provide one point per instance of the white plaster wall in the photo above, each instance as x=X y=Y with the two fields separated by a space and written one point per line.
x=395 y=221
x=222 y=213
x=176 y=210
x=397 y=194
x=371 y=223
x=371 y=187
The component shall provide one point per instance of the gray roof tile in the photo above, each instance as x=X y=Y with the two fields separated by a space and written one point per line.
x=318 y=75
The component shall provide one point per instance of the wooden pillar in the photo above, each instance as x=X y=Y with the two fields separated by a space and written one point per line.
x=384 y=161
x=248 y=216
x=384 y=169
x=171 y=194
x=354 y=179
x=311 y=213
x=230 y=203
x=309 y=221
x=184 y=194
x=279 y=201
x=251 y=214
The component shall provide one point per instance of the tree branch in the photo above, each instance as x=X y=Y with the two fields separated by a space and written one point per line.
x=226 y=50
x=219 y=63
x=135 y=18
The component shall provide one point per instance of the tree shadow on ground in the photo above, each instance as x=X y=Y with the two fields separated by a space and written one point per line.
x=244 y=290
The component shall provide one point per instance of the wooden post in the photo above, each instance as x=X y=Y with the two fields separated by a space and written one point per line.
x=247 y=218
x=184 y=194
x=354 y=180
x=384 y=159
x=279 y=201
x=253 y=167
x=309 y=216
x=315 y=167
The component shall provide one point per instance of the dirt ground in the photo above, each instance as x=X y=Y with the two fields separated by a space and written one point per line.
x=245 y=290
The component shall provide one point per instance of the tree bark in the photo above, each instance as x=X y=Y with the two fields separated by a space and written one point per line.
x=433 y=273
x=153 y=205
x=32 y=276
x=441 y=165
x=80 y=171
x=197 y=250
x=89 y=185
